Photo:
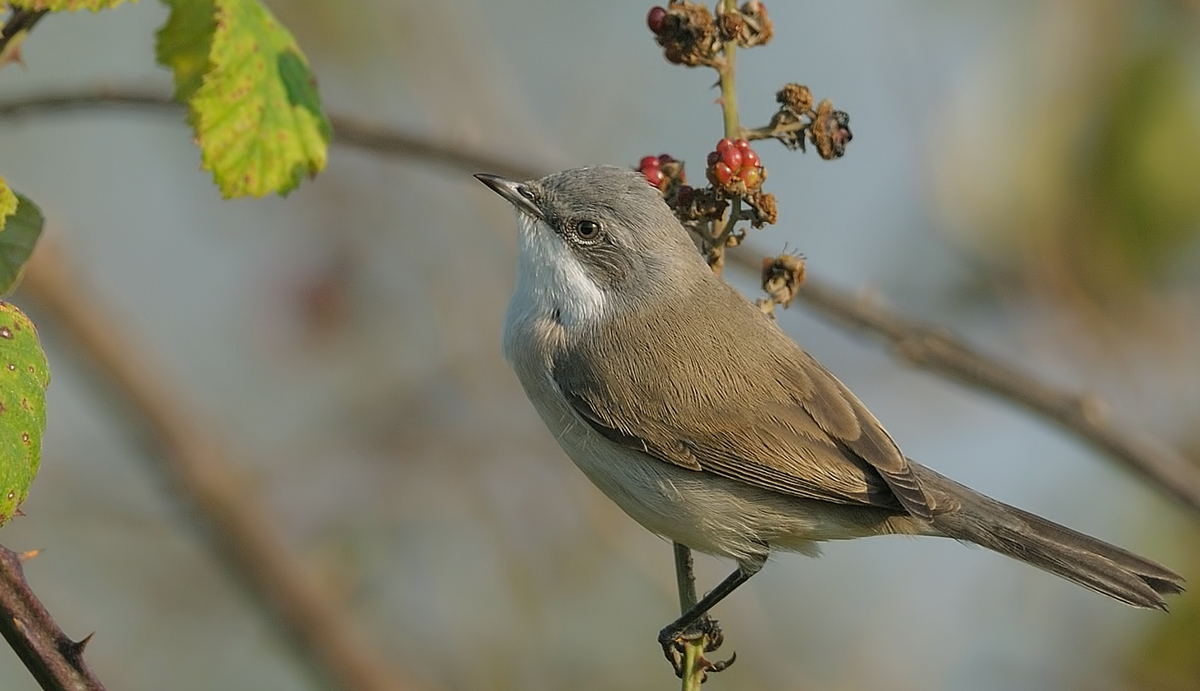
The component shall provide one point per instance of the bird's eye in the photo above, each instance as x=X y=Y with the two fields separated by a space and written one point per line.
x=587 y=230
x=525 y=192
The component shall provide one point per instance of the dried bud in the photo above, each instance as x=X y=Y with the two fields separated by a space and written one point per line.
x=757 y=28
x=782 y=277
x=795 y=98
x=763 y=209
x=830 y=131
x=694 y=206
x=730 y=25
x=687 y=34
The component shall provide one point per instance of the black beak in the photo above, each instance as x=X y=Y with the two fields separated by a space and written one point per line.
x=517 y=193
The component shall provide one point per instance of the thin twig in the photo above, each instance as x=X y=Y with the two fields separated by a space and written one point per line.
x=685 y=580
x=388 y=141
x=347 y=131
x=189 y=453
x=54 y=660
x=21 y=20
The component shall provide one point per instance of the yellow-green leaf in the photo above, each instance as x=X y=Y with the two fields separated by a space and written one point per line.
x=252 y=100
x=67 y=5
x=8 y=202
x=184 y=43
x=24 y=376
x=19 y=235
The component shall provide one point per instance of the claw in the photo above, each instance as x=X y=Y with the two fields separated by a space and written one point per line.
x=706 y=628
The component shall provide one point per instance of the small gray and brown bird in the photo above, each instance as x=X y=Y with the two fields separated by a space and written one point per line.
x=699 y=417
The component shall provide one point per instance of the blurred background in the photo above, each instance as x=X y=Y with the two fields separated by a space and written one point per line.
x=1026 y=174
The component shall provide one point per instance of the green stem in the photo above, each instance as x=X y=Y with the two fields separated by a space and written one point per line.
x=726 y=71
x=693 y=673
x=733 y=128
x=768 y=131
x=735 y=215
x=684 y=578
x=693 y=651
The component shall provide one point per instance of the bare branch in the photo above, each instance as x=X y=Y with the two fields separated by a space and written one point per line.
x=935 y=349
x=190 y=454
x=347 y=131
x=54 y=660
x=18 y=24
x=386 y=141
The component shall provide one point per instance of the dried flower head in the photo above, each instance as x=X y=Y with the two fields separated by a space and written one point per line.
x=686 y=32
x=830 y=131
x=756 y=27
x=796 y=98
x=763 y=211
x=782 y=277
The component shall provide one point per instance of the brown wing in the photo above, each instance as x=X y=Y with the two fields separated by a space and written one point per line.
x=840 y=414
x=796 y=429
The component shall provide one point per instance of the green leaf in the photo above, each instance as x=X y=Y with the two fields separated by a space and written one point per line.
x=184 y=43
x=24 y=376
x=8 y=202
x=17 y=239
x=252 y=100
x=67 y=5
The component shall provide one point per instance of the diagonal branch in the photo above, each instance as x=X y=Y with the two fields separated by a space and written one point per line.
x=54 y=660
x=190 y=455
x=15 y=28
x=1087 y=416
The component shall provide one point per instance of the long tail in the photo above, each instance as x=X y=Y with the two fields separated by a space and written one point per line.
x=1034 y=540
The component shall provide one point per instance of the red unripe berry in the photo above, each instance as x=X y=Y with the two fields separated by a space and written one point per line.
x=752 y=177
x=722 y=173
x=724 y=145
x=654 y=176
x=656 y=20
x=732 y=158
x=742 y=144
x=750 y=158
x=647 y=163
x=713 y=157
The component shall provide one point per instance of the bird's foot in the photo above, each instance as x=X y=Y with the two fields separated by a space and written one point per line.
x=674 y=644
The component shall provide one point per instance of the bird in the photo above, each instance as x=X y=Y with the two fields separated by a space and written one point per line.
x=708 y=425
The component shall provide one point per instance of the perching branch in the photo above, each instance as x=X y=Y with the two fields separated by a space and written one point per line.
x=191 y=457
x=693 y=671
x=54 y=660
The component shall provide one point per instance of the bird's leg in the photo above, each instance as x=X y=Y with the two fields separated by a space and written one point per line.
x=695 y=623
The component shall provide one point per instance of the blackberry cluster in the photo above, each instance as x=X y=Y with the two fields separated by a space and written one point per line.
x=734 y=168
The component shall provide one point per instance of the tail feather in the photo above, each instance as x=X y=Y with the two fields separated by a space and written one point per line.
x=1091 y=563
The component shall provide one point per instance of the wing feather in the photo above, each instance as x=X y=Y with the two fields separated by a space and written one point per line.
x=799 y=431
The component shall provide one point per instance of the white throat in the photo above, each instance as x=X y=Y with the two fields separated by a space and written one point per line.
x=552 y=284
